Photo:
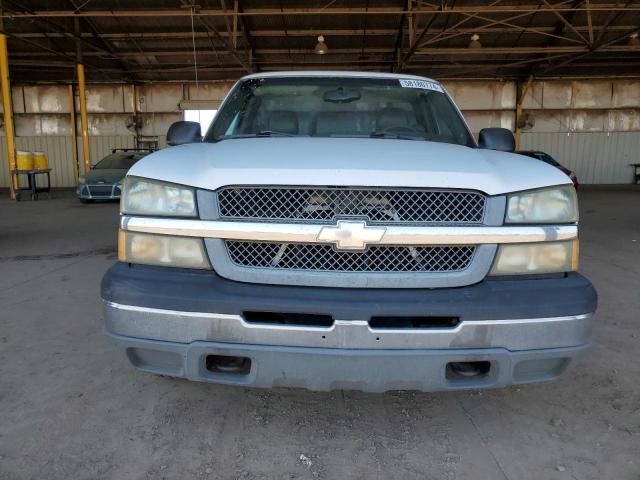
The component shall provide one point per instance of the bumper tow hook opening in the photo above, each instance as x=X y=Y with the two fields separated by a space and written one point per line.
x=467 y=370
x=228 y=364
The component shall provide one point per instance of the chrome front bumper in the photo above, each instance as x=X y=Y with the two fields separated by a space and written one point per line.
x=348 y=355
x=187 y=327
x=348 y=369
x=176 y=322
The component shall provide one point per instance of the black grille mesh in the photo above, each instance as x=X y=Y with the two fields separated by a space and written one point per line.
x=313 y=205
x=100 y=190
x=324 y=258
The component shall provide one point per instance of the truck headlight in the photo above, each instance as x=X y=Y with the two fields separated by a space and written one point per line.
x=164 y=250
x=532 y=258
x=545 y=205
x=141 y=196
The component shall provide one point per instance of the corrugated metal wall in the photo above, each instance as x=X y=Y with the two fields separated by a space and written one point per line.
x=43 y=121
x=596 y=157
x=59 y=153
x=592 y=126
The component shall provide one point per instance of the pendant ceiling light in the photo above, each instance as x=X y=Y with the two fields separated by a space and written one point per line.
x=321 y=47
x=475 y=41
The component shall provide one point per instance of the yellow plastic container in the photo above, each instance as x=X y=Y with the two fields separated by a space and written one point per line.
x=39 y=161
x=24 y=160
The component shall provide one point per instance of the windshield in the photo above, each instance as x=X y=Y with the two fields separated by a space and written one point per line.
x=120 y=160
x=340 y=107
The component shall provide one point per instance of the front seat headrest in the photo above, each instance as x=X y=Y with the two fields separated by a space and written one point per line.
x=392 y=117
x=283 y=121
x=337 y=123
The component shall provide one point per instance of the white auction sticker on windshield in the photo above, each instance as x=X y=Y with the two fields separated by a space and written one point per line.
x=423 y=84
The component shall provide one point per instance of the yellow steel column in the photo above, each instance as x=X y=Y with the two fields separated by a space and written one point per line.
x=74 y=134
x=83 y=119
x=9 y=133
x=519 y=104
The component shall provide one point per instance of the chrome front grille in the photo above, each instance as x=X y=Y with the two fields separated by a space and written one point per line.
x=324 y=258
x=322 y=204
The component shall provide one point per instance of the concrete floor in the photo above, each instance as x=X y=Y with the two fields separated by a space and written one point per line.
x=72 y=407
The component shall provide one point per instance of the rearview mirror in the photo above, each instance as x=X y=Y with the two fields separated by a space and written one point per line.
x=180 y=133
x=501 y=139
x=341 y=95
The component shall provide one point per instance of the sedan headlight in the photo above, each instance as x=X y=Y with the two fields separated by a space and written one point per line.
x=164 y=250
x=141 y=196
x=532 y=258
x=546 y=205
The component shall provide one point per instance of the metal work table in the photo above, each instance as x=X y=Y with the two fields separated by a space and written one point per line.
x=636 y=172
x=32 y=189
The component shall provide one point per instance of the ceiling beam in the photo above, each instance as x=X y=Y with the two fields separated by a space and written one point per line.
x=517 y=49
x=205 y=12
x=602 y=47
x=311 y=33
x=464 y=51
x=225 y=40
x=409 y=18
x=248 y=36
x=567 y=18
x=457 y=68
x=415 y=41
x=507 y=23
x=224 y=43
x=589 y=24
x=50 y=27
x=613 y=15
x=448 y=33
x=125 y=66
x=227 y=24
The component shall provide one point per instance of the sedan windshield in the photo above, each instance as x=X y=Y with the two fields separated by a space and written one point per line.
x=120 y=160
x=340 y=107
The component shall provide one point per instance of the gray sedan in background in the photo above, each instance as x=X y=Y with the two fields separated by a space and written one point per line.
x=104 y=180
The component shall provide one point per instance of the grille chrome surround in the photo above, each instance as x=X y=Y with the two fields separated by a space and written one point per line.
x=324 y=258
x=101 y=190
x=376 y=205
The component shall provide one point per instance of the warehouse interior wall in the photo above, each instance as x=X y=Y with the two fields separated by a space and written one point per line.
x=592 y=126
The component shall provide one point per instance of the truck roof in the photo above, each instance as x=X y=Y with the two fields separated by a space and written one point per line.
x=335 y=73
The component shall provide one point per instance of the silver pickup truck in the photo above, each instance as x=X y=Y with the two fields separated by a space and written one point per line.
x=341 y=230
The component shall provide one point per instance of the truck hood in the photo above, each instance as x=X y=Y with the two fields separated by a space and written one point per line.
x=344 y=162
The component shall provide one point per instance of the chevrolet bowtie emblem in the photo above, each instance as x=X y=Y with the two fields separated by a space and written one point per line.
x=351 y=235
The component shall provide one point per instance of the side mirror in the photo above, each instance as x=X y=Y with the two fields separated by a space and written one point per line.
x=180 y=133
x=497 y=139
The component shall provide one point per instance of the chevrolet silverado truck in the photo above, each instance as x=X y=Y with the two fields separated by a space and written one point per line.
x=338 y=230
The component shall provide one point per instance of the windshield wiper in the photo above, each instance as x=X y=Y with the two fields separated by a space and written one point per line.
x=397 y=136
x=262 y=133
x=273 y=133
